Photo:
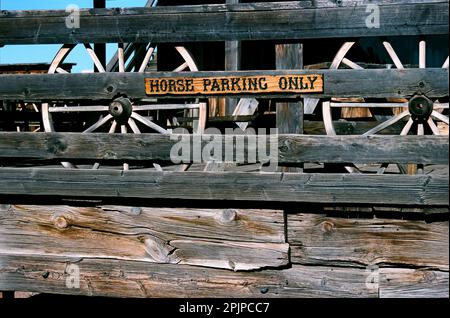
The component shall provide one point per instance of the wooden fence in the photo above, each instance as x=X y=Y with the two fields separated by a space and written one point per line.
x=218 y=233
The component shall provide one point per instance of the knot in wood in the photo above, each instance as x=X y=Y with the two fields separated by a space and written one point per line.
x=228 y=216
x=327 y=226
x=61 y=222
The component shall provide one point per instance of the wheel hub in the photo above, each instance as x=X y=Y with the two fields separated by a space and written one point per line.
x=420 y=107
x=121 y=109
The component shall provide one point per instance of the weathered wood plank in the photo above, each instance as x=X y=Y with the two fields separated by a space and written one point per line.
x=289 y=115
x=110 y=233
x=337 y=83
x=413 y=283
x=232 y=63
x=410 y=190
x=246 y=225
x=290 y=148
x=101 y=277
x=249 y=21
x=333 y=241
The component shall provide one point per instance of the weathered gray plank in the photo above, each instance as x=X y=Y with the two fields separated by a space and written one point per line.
x=230 y=239
x=100 y=277
x=413 y=283
x=249 y=21
x=410 y=190
x=232 y=63
x=337 y=83
x=333 y=241
x=291 y=148
x=289 y=115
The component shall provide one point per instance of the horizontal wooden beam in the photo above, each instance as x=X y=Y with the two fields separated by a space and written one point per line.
x=411 y=190
x=341 y=241
x=290 y=149
x=119 y=278
x=231 y=239
x=250 y=21
x=379 y=83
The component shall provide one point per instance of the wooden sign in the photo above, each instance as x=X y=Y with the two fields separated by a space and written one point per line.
x=228 y=85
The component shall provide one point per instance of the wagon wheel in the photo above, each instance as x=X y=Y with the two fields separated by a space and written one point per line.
x=418 y=115
x=122 y=115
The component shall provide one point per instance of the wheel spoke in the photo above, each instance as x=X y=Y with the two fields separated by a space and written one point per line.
x=433 y=126
x=121 y=57
x=386 y=123
x=165 y=107
x=407 y=127
x=149 y=123
x=393 y=55
x=61 y=71
x=439 y=116
x=420 y=130
x=351 y=64
x=133 y=126
x=98 y=124
x=182 y=67
x=382 y=168
x=445 y=65
x=94 y=58
x=65 y=109
x=147 y=58
x=440 y=105
x=370 y=105
x=112 y=130
x=422 y=54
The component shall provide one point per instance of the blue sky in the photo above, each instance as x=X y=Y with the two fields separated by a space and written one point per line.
x=12 y=54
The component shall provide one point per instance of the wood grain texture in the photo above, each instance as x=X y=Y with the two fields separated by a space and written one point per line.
x=289 y=115
x=374 y=83
x=230 y=239
x=413 y=283
x=332 y=241
x=117 y=278
x=291 y=148
x=249 y=21
x=409 y=190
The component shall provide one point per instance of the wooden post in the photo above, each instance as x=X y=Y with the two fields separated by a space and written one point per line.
x=100 y=48
x=289 y=118
x=232 y=63
x=289 y=115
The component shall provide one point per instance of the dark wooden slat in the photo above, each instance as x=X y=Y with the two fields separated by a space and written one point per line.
x=289 y=115
x=334 y=241
x=344 y=83
x=410 y=190
x=250 y=21
x=291 y=148
x=232 y=63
